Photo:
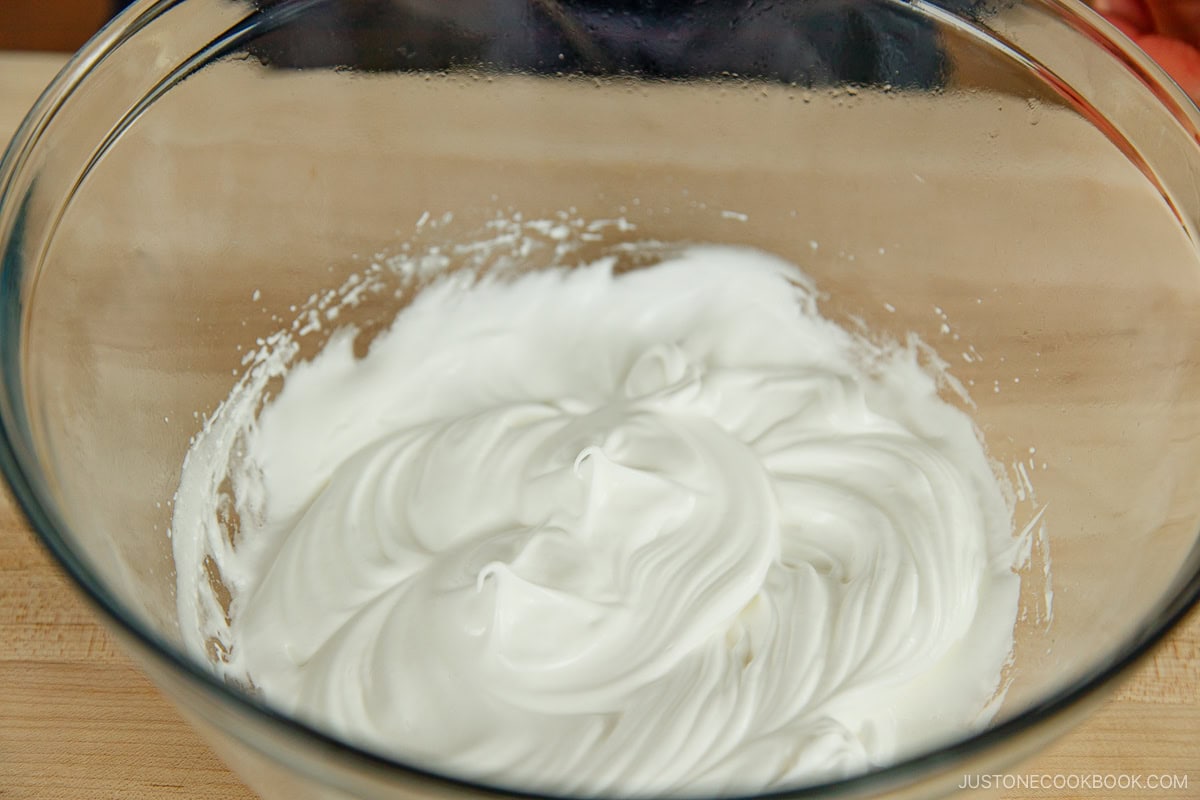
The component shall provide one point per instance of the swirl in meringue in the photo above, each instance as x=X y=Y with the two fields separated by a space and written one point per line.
x=669 y=531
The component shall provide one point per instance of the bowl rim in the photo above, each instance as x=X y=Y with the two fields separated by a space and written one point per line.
x=19 y=469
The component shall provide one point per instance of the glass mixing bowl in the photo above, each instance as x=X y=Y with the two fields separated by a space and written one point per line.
x=1001 y=178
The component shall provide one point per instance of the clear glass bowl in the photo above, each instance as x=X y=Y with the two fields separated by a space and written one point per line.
x=1007 y=170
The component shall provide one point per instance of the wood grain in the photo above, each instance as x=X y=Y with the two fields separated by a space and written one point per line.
x=77 y=720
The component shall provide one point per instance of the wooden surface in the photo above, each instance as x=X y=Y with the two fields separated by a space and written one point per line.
x=61 y=25
x=78 y=721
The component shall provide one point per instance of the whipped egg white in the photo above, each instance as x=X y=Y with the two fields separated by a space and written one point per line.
x=662 y=531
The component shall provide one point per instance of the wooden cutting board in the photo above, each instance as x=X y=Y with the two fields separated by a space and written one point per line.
x=78 y=721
